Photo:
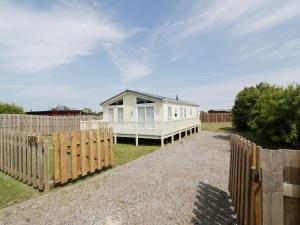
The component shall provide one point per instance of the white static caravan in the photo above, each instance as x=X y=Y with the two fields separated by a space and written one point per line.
x=140 y=115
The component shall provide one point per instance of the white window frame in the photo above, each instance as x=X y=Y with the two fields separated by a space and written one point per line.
x=113 y=114
x=144 y=106
x=122 y=114
x=170 y=117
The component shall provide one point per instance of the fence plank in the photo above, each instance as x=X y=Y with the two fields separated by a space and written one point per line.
x=74 y=142
x=83 y=153
x=63 y=158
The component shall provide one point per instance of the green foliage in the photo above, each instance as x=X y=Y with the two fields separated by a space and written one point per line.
x=6 y=108
x=275 y=112
x=244 y=102
x=88 y=111
x=60 y=107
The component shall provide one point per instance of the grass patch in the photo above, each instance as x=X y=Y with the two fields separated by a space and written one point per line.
x=258 y=139
x=13 y=191
x=217 y=127
x=125 y=153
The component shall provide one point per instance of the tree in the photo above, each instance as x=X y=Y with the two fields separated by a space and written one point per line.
x=60 y=107
x=277 y=114
x=244 y=102
x=6 y=108
x=89 y=111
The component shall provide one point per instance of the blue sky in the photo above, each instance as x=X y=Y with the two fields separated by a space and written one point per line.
x=78 y=53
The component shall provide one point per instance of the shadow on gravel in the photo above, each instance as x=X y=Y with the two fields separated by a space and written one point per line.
x=212 y=207
x=223 y=137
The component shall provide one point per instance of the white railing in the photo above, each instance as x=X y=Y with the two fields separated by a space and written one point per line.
x=158 y=128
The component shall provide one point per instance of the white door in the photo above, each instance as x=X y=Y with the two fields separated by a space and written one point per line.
x=146 y=116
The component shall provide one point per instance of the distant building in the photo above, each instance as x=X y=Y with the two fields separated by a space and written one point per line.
x=72 y=112
x=219 y=111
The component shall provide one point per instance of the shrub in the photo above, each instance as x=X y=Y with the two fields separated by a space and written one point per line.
x=6 y=108
x=270 y=110
x=244 y=102
x=277 y=114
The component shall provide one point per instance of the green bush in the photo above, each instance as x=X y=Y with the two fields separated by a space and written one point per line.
x=244 y=102
x=270 y=110
x=6 y=108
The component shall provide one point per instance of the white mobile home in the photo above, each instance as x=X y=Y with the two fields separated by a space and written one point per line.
x=140 y=115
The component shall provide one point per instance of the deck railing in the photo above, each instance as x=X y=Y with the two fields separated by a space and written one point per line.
x=157 y=128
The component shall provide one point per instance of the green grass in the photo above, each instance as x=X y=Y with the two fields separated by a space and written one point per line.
x=258 y=139
x=125 y=153
x=217 y=127
x=13 y=191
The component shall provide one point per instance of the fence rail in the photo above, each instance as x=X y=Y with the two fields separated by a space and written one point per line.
x=156 y=128
x=264 y=184
x=24 y=156
x=78 y=153
x=215 y=117
x=45 y=125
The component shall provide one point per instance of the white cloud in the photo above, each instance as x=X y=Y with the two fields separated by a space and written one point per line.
x=130 y=68
x=34 y=40
x=276 y=16
x=237 y=16
x=43 y=96
x=271 y=50
x=222 y=94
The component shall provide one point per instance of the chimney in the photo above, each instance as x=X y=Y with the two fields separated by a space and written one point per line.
x=177 y=98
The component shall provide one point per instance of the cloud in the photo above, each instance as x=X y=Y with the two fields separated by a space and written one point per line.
x=236 y=16
x=35 y=40
x=130 y=68
x=42 y=96
x=222 y=94
x=271 y=50
x=279 y=14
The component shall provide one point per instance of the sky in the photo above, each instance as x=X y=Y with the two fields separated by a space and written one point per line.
x=79 y=53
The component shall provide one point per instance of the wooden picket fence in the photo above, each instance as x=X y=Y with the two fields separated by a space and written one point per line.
x=215 y=117
x=44 y=125
x=78 y=153
x=264 y=184
x=24 y=155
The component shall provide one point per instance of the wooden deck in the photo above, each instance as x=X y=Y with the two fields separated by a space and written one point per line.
x=148 y=130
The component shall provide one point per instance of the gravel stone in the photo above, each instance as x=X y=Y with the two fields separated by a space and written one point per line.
x=184 y=183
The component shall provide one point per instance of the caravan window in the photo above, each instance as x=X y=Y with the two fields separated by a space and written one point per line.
x=111 y=114
x=169 y=113
x=120 y=115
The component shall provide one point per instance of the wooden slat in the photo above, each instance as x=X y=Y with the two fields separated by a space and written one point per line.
x=63 y=158
x=106 y=147
x=56 y=157
x=34 y=164
x=74 y=141
x=91 y=150
x=83 y=152
x=99 y=149
x=40 y=166
x=112 y=153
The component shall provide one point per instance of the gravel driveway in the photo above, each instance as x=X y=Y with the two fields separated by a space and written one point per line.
x=183 y=183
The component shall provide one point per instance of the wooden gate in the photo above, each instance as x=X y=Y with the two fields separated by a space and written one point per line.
x=24 y=155
x=264 y=184
x=78 y=153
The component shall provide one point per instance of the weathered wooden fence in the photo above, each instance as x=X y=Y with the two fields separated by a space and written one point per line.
x=264 y=184
x=78 y=153
x=24 y=155
x=45 y=125
x=215 y=117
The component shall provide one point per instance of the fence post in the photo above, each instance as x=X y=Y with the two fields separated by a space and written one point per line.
x=272 y=187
